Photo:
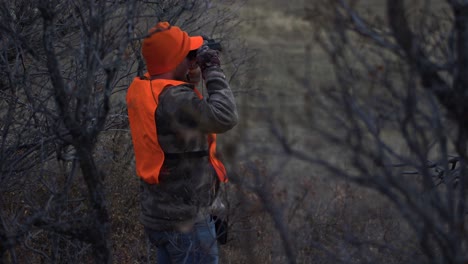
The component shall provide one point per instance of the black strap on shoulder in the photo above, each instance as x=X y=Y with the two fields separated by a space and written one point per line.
x=186 y=155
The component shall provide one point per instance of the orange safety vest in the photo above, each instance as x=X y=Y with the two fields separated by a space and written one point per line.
x=142 y=102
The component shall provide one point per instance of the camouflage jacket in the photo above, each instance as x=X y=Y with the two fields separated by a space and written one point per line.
x=188 y=184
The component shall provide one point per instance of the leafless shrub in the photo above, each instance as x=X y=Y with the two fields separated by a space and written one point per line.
x=395 y=119
x=65 y=67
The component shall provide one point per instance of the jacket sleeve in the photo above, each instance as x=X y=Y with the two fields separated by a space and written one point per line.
x=215 y=113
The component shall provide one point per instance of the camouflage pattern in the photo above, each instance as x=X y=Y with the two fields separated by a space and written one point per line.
x=188 y=185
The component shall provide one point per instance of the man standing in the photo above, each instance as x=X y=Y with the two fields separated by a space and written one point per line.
x=173 y=132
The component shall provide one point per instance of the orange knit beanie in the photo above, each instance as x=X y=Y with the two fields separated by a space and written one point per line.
x=166 y=47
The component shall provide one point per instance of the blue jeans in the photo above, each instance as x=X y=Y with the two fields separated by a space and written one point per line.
x=196 y=246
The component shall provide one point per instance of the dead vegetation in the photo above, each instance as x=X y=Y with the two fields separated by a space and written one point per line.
x=286 y=204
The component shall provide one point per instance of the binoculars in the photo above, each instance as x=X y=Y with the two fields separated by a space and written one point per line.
x=212 y=44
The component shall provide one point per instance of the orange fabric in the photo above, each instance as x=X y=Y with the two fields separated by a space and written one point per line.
x=217 y=164
x=166 y=47
x=142 y=102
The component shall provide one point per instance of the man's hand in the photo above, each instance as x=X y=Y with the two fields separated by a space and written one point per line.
x=207 y=58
